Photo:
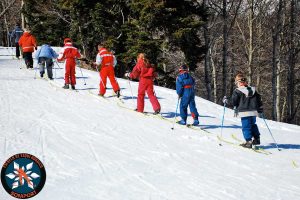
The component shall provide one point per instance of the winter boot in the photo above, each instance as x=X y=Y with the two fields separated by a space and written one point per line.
x=156 y=112
x=42 y=74
x=256 y=141
x=118 y=93
x=73 y=87
x=101 y=95
x=247 y=144
x=66 y=86
x=196 y=122
x=182 y=122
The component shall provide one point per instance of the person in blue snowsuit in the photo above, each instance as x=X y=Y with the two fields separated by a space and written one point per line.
x=44 y=55
x=185 y=88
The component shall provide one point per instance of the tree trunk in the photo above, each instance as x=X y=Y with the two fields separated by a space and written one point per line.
x=250 y=45
x=225 y=47
x=291 y=66
x=275 y=57
x=214 y=76
x=207 y=68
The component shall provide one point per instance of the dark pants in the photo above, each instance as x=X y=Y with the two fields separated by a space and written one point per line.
x=17 y=50
x=28 y=59
x=49 y=64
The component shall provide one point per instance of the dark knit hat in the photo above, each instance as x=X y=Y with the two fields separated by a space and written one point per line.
x=183 y=68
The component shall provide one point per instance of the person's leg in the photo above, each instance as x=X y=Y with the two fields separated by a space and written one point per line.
x=72 y=75
x=183 y=109
x=42 y=66
x=49 y=65
x=103 y=79
x=141 y=96
x=30 y=59
x=17 y=50
x=153 y=99
x=26 y=59
x=194 y=111
x=255 y=132
x=112 y=79
x=246 y=128
x=67 y=72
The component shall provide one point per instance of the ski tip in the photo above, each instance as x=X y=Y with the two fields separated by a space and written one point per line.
x=220 y=144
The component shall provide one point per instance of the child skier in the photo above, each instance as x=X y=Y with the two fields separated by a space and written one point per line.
x=107 y=61
x=249 y=105
x=69 y=54
x=28 y=43
x=185 y=84
x=145 y=72
x=44 y=55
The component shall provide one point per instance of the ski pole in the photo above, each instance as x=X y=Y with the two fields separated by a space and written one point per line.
x=175 y=113
x=263 y=116
x=222 y=124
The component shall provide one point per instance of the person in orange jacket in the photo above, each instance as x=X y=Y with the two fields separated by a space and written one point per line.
x=107 y=61
x=28 y=44
x=146 y=74
x=69 y=53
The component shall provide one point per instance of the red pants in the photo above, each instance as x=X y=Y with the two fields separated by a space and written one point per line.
x=70 y=72
x=110 y=73
x=146 y=85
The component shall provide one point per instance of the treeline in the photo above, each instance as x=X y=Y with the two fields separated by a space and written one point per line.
x=216 y=38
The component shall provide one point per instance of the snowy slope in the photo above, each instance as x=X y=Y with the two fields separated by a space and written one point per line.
x=93 y=148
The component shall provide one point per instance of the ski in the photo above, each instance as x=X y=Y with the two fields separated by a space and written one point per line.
x=238 y=145
x=257 y=147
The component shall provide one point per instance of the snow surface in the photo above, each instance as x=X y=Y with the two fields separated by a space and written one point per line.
x=92 y=148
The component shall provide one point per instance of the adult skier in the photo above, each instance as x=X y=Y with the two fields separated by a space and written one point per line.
x=44 y=55
x=249 y=105
x=69 y=54
x=145 y=72
x=28 y=44
x=185 y=88
x=16 y=35
x=106 y=61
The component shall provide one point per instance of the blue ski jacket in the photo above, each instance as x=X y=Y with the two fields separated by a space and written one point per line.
x=185 y=84
x=45 y=51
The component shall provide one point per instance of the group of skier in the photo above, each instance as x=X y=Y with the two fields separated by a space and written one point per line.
x=245 y=98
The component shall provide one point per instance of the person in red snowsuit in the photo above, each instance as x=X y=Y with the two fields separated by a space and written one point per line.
x=28 y=43
x=107 y=61
x=69 y=54
x=146 y=74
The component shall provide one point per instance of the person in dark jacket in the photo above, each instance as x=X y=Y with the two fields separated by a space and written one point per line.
x=15 y=35
x=185 y=88
x=249 y=105
x=44 y=55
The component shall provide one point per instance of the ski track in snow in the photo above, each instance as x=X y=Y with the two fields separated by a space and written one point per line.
x=94 y=149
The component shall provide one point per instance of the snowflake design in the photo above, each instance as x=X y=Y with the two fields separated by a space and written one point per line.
x=22 y=175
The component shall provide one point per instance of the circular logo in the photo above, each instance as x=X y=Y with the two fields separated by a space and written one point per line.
x=23 y=176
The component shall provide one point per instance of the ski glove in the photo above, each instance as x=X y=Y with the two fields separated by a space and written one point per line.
x=225 y=100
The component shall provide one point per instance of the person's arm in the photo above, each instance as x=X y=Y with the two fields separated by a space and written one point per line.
x=98 y=60
x=136 y=71
x=61 y=55
x=179 y=87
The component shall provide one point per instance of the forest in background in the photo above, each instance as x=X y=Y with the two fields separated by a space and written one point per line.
x=216 y=38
